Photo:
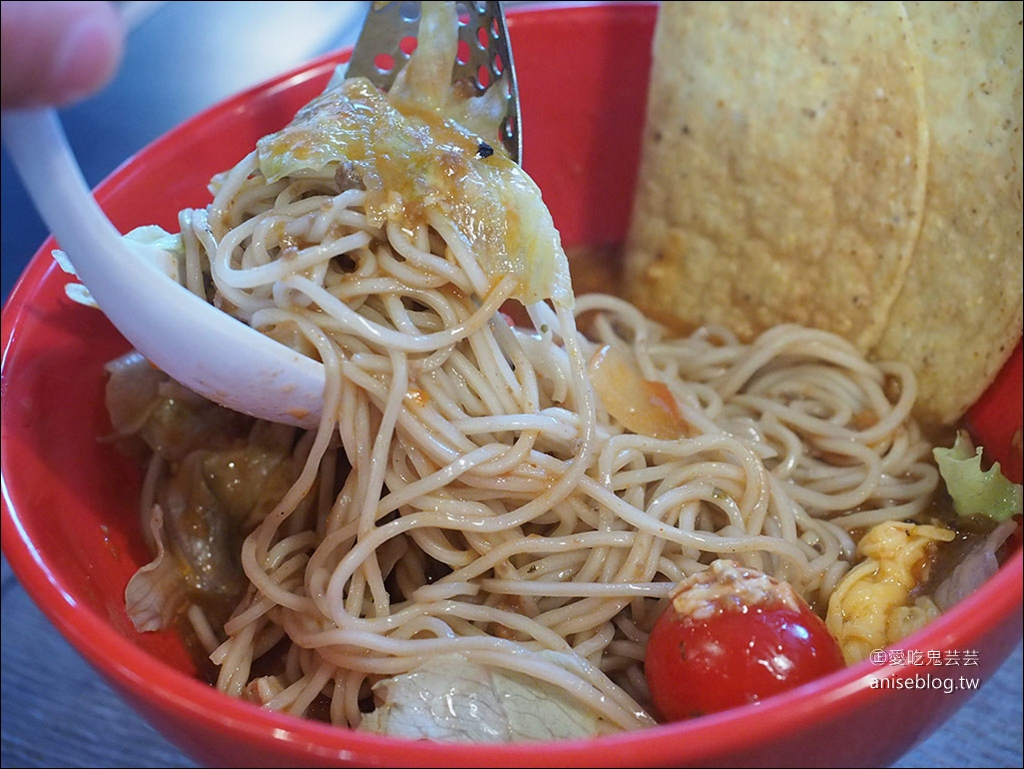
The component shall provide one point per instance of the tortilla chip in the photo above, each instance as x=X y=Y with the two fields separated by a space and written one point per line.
x=960 y=314
x=783 y=170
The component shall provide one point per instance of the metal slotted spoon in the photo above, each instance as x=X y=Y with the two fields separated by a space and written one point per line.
x=205 y=349
x=485 y=54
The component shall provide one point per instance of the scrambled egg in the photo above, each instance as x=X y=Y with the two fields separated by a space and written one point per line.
x=872 y=607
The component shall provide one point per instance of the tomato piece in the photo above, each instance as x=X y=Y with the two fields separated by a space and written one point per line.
x=733 y=636
x=641 y=405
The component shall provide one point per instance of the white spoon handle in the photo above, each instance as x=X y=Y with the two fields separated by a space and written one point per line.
x=205 y=349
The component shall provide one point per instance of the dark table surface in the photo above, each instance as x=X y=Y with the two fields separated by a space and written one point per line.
x=182 y=57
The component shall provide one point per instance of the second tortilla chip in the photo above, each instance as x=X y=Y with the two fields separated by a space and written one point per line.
x=959 y=315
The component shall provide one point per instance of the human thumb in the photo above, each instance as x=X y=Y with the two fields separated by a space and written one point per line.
x=56 y=53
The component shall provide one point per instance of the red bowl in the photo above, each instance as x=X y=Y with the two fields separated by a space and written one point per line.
x=70 y=524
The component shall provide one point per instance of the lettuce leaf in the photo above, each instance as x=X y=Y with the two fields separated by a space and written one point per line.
x=973 y=490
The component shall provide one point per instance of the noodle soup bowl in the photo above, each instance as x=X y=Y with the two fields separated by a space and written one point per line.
x=71 y=528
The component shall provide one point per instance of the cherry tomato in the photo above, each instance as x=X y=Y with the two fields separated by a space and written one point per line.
x=733 y=636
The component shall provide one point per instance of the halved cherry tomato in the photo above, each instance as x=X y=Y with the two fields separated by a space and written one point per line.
x=732 y=636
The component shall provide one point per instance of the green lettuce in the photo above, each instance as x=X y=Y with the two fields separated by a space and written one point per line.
x=973 y=490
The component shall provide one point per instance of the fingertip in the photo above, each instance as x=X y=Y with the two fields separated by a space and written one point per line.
x=56 y=53
x=87 y=56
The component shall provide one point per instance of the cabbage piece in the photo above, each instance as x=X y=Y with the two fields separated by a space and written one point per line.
x=221 y=472
x=164 y=250
x=157 y=237
x=450 y=698
x=979 y=564
x=156 y=592
x=418 y=154
x=973 y=490
x=132 y=392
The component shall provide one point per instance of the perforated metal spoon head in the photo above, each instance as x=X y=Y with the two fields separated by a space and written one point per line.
x=484 y=59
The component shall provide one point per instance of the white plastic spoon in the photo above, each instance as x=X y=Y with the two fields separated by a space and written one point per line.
x=207 y=350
